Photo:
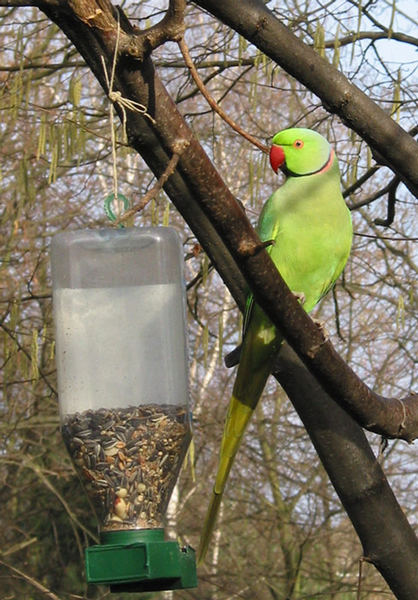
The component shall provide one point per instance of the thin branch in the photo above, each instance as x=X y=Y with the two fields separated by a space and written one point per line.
x=369 y=173
x=12 y=3
x=372 y=35
x=208 y=64
x=43 y=376
x=169 y=170
x=376 y=195
x=213 y=104
x=392 y=187
x=19 y=546
x=389 y=33
x=47 y=67
x=47 y=483
x=33 y=582
x=357 y=184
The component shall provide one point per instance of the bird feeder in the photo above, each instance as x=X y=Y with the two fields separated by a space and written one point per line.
x=118 y=298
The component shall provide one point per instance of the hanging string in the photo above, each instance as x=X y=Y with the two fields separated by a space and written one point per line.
x=124 y=104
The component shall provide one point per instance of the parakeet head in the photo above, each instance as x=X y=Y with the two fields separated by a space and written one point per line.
x=299 y=152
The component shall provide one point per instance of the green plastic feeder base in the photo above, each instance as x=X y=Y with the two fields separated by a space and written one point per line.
x=140 y=561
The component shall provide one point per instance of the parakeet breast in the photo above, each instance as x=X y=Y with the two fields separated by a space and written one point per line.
x=311 y=225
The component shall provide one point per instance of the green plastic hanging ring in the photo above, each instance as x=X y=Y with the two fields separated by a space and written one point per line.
x=113 y=205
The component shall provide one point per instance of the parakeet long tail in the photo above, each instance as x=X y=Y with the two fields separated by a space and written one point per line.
x=236 y=421
x=252 y=375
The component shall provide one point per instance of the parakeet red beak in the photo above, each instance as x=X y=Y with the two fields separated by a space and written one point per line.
x=277 y=157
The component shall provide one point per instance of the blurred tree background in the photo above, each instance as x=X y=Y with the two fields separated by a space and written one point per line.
x=283 y=532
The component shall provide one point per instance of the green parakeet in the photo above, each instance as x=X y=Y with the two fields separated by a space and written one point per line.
x=310 y=228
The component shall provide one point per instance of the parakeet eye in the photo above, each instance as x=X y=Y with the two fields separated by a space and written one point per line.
x=298 y=144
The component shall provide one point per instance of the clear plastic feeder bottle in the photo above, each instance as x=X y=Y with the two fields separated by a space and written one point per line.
x=118 y=298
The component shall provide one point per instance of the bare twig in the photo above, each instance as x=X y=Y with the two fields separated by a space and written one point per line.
x=43 y=376
x=179 y=148
x=369 y=173
x=393 y=186
x=212 y=103
x=373 y=35
x=33 y=582
x=19 y=546
x=352 y=188
x=382 y=192
x=30 y=464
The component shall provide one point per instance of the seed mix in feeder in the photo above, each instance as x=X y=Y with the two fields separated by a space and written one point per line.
x=128 y=460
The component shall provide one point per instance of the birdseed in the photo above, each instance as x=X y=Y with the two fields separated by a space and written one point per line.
x=128 y=460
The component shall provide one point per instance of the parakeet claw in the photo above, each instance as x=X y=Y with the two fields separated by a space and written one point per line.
x=299 y=296
x=322 y=328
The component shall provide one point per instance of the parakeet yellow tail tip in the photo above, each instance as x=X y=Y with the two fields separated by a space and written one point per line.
x=208 y=527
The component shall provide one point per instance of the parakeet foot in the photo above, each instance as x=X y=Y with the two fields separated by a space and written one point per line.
x=322 y=328
x=299 y=296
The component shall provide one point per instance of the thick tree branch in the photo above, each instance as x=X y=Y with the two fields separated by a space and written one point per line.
x=170 y=28
x=261 y=27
